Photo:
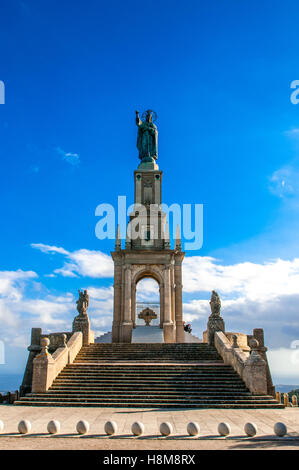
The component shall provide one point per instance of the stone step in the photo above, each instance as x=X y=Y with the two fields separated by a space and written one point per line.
x=160 y=368
x=234 y=388
x=150 y=405
x=171 y=358
x=150 y=345
x=159 y=393
x=150 y=382
x=177 y=365
x=141 y=401
x=149 y=375
x=146 y=355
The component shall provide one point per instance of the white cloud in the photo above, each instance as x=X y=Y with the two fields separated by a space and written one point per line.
x=284 y=182
x=293 y=133
x=12 y=283
x=19 y=311
x=284 y=365
x=100 y=293
x=49 y=248
x=147 y=291
x=254 y=281
x=82 y=262
x=71 y=158
x=253 y=296
x=92 y=263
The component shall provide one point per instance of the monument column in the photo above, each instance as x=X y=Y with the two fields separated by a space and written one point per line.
x=150 y=247
x=117 y=302
x=133 y=305
x=167 y=324
x=127 y=318
x=178 y=301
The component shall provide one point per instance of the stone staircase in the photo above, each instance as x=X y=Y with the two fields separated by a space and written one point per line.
x=149 y=375
x=105 y=338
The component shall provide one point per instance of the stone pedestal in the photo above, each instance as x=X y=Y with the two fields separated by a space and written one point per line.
x=215 y=323
x=33 y=349
x=255 y=374
x=81 y=323
x=43 y=369
x=258 y=334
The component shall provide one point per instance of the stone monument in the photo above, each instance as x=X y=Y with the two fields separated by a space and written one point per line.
x=149 y=253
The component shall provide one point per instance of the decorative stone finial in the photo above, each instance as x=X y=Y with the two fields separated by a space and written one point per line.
x=167 y=236
x=82 y=302
x=63 y=340
x=294 y=400
x=118 y=239
x=45 y=343
x=129 y=236
x=255 y=357
x=235 y=341
x=253 y=344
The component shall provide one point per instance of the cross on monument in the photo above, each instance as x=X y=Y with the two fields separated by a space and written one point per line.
x=147 y=315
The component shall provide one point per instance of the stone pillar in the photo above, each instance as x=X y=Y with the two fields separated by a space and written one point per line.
x=43 y=369
x=117 y=302
x=161 y=292
x=133 y=305
x=286 y=400
x=258 y=334
x=127 y=325
x=254 y=373
x=178 y=302
x=294 y=400
x=167 y=323
x=33 y=349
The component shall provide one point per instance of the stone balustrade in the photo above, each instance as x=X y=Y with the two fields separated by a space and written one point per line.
x=251 y=367
x=46 y=367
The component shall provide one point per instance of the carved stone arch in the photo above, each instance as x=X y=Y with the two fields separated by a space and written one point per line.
x=148 y=271
x=130 y=266
x=142 y=272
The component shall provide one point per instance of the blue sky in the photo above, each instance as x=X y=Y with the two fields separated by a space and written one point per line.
x=218 y=74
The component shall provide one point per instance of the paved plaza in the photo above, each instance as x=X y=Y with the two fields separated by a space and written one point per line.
x=209 y=438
